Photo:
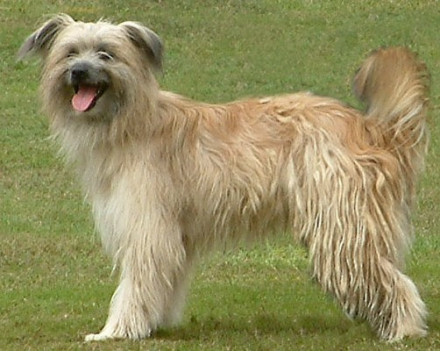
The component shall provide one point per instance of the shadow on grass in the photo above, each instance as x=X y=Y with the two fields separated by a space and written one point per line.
x=258 y=325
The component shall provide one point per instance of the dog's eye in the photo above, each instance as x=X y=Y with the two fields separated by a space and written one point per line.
x=72 y=53
x=105 y=55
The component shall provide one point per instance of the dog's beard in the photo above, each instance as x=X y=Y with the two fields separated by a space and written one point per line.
x=81 y=99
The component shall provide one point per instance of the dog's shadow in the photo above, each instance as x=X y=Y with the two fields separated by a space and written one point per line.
x=258 y=325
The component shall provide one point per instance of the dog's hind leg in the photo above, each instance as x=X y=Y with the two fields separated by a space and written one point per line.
x=152 y=269
x=381 y=294
x=357 y=246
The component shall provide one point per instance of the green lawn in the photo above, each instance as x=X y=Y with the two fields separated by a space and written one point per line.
x=55 y=282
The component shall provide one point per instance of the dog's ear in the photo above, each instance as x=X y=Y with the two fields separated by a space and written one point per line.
x=41 y=40
x=146 y=40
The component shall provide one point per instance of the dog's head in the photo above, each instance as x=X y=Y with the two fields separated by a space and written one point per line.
x=94 y=70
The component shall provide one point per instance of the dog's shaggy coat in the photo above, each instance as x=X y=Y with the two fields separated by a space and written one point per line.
x=168 y=177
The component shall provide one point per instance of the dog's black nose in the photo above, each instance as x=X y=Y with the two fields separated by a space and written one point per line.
x=79 y=73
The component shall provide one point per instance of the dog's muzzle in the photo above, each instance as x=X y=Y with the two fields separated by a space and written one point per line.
x=89 y=84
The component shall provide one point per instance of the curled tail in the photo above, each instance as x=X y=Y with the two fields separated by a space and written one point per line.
x=394 y=85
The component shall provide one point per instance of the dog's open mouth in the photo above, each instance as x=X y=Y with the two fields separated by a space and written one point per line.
x=86 y=96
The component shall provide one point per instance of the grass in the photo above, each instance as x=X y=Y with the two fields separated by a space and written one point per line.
x=55 y=283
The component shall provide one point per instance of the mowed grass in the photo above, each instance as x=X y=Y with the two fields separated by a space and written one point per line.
x=55 y=282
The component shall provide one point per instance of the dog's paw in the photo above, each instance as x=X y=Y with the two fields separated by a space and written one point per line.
x=97 y=337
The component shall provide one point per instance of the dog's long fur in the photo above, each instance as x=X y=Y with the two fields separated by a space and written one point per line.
x=169 y=178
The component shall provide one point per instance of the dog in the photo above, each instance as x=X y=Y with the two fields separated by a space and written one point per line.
x=169 y=178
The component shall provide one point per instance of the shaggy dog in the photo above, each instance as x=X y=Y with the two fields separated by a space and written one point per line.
x=169 y=178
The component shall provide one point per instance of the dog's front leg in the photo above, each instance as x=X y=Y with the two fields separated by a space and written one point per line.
x=154 y=268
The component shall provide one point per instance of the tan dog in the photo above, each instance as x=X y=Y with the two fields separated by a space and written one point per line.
x=169 y=178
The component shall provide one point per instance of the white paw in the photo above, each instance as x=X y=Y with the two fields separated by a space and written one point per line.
x=97 y=337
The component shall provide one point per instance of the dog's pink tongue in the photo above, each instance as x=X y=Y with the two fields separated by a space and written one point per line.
x=84 y=98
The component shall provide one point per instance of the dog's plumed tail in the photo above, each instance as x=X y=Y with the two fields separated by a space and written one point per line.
x=394 y=85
